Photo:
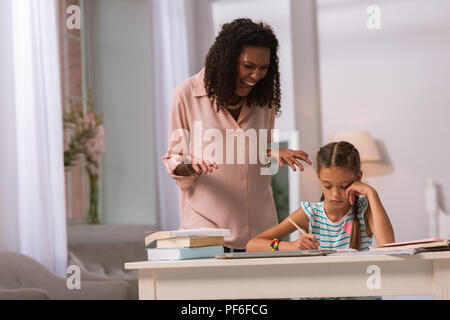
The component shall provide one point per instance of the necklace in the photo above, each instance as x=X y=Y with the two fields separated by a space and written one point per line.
x=237 y=106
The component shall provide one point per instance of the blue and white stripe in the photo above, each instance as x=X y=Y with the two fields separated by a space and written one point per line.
x=331 y=235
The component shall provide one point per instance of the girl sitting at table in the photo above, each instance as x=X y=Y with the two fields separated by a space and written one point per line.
x=349 y=215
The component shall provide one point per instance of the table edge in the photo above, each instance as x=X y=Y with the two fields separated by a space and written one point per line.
x=212 y=262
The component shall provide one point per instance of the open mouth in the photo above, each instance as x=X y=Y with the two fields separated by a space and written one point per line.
x=247 y=84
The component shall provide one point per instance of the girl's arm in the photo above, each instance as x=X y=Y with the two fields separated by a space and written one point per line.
x=376 y=216
x=307 y=241
x=378 y=220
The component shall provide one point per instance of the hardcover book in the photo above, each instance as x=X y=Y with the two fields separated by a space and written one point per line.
x=189 y=242
x=205 y=232
x=155 y=254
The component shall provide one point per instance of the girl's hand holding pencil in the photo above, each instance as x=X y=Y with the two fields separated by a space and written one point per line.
x=306 y=241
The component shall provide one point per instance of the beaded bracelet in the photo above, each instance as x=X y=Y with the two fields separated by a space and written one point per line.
x=274 y=244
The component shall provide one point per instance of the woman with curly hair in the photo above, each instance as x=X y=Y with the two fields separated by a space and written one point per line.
x=236 y=94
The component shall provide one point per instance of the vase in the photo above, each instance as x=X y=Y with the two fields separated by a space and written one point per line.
x=92 y=216
x=68 y=189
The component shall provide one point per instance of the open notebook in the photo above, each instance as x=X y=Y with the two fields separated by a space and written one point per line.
x=415 y=244
x=270 y=254
x=311 y=253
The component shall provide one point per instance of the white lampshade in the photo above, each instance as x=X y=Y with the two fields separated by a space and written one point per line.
x=362 y=140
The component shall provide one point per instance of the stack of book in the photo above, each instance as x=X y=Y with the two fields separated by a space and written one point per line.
x=185 y=244
x=418 y=246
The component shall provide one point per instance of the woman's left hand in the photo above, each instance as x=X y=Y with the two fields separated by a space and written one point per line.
x=357 y=188
x=284 y=155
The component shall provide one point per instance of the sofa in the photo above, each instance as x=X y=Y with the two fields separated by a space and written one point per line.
x=23 y=278
x=99 y=251
x=102 y=250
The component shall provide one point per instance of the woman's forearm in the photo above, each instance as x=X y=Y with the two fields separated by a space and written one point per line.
x=382 y=227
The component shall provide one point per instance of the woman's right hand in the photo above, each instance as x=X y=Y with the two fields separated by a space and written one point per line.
x=201 y=166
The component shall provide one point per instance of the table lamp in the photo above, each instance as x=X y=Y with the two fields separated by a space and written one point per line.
x=362 y=140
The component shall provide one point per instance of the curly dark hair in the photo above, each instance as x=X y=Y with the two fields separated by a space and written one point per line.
x=223 y=56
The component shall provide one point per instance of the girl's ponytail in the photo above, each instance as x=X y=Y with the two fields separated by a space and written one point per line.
x=355 y=238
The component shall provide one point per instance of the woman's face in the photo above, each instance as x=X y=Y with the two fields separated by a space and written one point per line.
x=252 y=66
x=334 y=182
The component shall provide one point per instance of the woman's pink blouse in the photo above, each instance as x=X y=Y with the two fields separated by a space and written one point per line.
x=236 y=196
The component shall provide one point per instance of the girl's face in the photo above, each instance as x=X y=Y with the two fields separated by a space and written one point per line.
x=252 y=66
x=334 y=182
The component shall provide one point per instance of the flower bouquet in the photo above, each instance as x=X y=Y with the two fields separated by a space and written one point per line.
x=84 y=135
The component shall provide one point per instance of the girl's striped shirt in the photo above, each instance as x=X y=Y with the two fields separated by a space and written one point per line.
x=336 y=235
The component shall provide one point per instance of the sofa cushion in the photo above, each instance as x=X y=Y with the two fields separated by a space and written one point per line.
x=23 y=294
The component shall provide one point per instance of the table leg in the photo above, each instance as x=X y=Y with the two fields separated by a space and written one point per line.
x=441 y=279
x=147 y=285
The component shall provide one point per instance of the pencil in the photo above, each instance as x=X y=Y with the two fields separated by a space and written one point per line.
x=300 y=229
x=295 y=225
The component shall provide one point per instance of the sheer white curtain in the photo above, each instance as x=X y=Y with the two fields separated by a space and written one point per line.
x=170 y=67
x=32 y=203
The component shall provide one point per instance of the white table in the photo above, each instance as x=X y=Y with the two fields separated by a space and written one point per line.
x=296 y=277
